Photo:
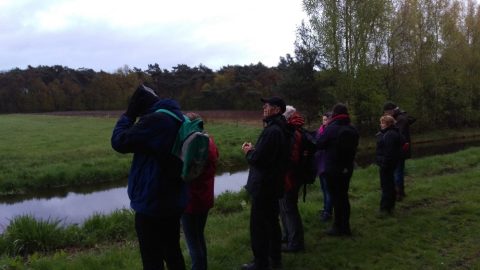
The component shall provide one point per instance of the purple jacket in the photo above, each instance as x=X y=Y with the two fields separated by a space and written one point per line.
x=320 y=154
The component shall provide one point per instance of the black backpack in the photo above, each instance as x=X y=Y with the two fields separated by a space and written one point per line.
x=307 y=170
x=306 y=165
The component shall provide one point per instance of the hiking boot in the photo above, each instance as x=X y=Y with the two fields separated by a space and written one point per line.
x=337 y=232
x=254 y=266
x=384 y=213
x=324 y=217
x=292 y=249
x=276 y=264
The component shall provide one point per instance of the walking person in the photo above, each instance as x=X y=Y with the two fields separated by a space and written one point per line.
x=340 y=141
x=327 y=211
x=157 y=194
x=290 y=216
x=403 y=122
x=388 y=154
x=200 y=201
x=268 y=160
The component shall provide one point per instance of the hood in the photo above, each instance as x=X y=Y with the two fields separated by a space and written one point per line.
x=296 y=120
x=167 y=104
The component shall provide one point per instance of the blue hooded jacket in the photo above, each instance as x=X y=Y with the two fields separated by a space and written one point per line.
x=154 y=184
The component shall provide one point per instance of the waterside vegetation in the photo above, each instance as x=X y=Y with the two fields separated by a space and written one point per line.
x=435 y=227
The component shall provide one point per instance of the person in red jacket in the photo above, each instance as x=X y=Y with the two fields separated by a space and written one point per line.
x=201 y=197
x=292 y=225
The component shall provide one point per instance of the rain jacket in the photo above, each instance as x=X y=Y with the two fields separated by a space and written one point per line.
x=269 y=159
x=340 y=141
x=295 y=122
x=389 y=147
x=154 y=184
x=201 y=189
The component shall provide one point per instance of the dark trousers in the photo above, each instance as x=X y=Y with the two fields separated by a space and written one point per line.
x=338 y=185
x=291 y=220
x=387 y=183
x=399 y=175
x=193 y=228
x=265 y=232
x=159 y=240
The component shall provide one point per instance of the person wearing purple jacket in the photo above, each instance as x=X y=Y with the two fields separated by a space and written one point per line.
x=320 y=162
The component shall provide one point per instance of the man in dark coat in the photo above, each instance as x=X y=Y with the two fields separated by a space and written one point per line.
x=268 y=160
x=403 y=122
x=157 y=194
x=340 y=141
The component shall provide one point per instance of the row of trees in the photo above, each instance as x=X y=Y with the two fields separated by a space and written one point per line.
x=422 y=54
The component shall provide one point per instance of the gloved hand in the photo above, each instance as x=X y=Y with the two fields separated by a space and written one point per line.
x=406 y=147
x=142 y=99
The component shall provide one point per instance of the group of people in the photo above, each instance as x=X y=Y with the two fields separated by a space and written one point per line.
x=163 y=203
x=273 y=182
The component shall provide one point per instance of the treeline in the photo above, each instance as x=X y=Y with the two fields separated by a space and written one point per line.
x=422 y=54
x=58 y=88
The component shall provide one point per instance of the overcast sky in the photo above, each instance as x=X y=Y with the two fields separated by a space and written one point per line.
x=108 y=34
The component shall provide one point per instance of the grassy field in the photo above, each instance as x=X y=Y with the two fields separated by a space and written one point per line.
x=38 y=151
x=435 y=227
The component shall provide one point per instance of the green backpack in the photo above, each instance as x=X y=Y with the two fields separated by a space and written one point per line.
x=191 y=146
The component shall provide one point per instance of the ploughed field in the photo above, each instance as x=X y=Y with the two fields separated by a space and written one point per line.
x=206 y=115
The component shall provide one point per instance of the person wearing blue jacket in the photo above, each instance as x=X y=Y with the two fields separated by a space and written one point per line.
x=157 y=194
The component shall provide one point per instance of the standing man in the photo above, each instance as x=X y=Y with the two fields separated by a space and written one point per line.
x=157 y=194
x=268 y=160
x=340 y=141
x=403 y=122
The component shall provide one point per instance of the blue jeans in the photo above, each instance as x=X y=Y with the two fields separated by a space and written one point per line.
x=327 y=199
x=399 y=174
x=193 y=228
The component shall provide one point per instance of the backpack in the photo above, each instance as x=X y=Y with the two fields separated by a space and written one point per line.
x=191 y=146
x=307 y=170
x=306 y=164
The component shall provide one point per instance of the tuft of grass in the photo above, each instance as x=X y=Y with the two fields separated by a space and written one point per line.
x=26 y=235
x=117 y=226
x=229 y=202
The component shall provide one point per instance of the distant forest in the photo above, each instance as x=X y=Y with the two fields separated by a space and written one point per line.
x=423 y=55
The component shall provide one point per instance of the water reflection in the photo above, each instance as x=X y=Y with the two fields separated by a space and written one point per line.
x=75 y=206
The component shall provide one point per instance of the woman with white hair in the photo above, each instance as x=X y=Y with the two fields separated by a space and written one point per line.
x=292 y=225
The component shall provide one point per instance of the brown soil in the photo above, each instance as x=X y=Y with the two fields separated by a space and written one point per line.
x=253 y=117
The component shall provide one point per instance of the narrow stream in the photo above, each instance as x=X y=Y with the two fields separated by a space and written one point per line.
x=74 y=206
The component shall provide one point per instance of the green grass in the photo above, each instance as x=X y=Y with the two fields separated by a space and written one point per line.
x=435 y=227
x=39 y=152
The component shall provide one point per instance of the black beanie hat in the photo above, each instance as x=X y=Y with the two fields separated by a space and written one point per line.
x=339 y=108
x=389 y=106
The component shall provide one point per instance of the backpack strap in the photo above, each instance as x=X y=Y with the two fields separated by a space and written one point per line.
x=170 y=113
x=304 y=191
